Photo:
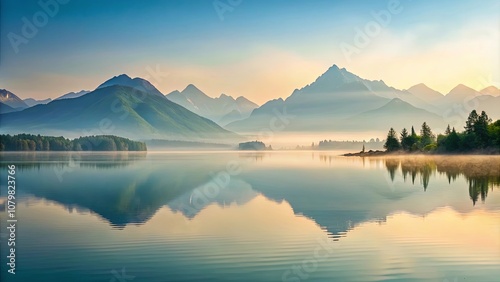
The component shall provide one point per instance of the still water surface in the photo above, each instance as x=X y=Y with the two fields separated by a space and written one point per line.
x=273 y=216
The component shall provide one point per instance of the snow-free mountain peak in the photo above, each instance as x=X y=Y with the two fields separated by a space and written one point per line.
x=11 y=100
x=462 y=89
x=490 y=90
x=136 y=83
x=424 y=92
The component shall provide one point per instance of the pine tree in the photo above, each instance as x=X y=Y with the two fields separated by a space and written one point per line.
x=481 y=130
x=405 y=140
x=448 y=130
x=426 y=136
x=452 y=142
x=471 y=121
x=392 y=143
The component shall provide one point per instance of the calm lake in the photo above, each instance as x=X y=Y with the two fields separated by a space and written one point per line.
x=233 y=216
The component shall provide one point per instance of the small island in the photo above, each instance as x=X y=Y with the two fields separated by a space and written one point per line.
x=30 y=142
x=481 y=136
x=254 y=146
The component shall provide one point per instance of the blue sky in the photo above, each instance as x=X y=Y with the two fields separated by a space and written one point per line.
x=259 y=49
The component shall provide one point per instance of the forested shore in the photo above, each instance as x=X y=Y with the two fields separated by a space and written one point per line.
x=30 y=142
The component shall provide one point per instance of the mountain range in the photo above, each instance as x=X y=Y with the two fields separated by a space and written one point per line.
x=223 y=109
x=121 y=106
x=341 y=100
x=337 y=100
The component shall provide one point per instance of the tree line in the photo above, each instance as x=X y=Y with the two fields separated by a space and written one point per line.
x=30 y=142
x=480 y=135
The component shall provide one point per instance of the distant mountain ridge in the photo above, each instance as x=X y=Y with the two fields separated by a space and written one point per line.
x=397 y=114
x=72 y=95
x=33 y=102
x=223 y=109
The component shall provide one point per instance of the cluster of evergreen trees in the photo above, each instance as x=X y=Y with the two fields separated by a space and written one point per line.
x=254 y=146
x=29 y=142
x=480 y=135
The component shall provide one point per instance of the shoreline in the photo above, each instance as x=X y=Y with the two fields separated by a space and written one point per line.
x=378 y=153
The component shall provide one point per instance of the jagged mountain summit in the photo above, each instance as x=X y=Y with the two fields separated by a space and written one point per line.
x=223 y=109
x=328 y=102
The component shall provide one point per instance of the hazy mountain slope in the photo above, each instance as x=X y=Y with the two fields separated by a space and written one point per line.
x=11 y=100
x=121 y=111
x=33 y=102
x=4 y=108
x=234 y=115
x=490 y=90
x=489 y=104
x=397 y=114
x=260 y=118
x=378 y=87
x=72 y=95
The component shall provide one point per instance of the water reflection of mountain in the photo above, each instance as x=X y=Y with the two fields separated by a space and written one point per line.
x=124 y=194
x=336 y=197
x=482 y=173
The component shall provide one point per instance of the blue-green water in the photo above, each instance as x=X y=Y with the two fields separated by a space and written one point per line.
x=232 y=216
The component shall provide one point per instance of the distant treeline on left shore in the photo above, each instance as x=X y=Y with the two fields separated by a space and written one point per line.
x=30 y=142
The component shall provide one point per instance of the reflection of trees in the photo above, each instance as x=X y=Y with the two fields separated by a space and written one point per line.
x=256 y=156
x=481 y=172
x=392 y=167
x=326 y=158
x=61 y=160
